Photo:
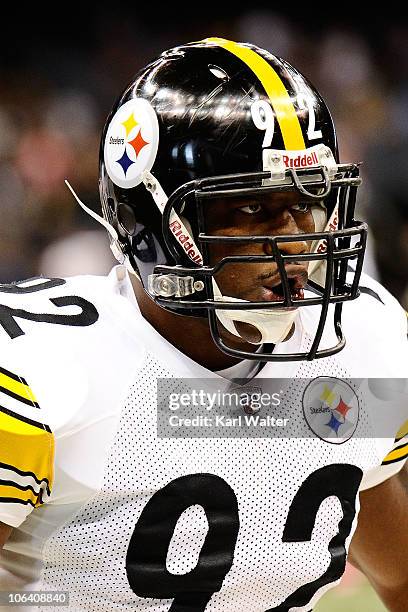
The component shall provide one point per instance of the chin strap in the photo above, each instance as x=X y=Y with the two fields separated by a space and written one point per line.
x=114 y=243
x=273 y=325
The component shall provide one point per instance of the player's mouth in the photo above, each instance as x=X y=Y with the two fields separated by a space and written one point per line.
x=272 y=287
x=277 y=295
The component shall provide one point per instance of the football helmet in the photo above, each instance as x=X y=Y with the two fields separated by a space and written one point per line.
x=211 y=121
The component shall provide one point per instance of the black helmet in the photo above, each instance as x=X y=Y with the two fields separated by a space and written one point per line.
x=219 y=119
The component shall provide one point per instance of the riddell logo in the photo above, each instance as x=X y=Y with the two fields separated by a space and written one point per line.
x=332 y=227
x=185 y=241
x=301 y=161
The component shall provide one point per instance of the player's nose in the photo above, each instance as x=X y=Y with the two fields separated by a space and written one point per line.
x=297 y=246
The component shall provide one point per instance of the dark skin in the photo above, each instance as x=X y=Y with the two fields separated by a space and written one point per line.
x=379 y=547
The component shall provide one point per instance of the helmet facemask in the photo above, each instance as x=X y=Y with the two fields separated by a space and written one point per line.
x=196 y=286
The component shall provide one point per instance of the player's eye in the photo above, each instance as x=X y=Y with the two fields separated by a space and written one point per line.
x=251 y=209
x=301 y=207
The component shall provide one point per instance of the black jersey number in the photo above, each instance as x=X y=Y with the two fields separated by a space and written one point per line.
x=88 y=314
x=146 y=556
x=341 y=480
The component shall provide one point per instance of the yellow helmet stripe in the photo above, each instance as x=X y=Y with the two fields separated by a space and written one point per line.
x=275 y=89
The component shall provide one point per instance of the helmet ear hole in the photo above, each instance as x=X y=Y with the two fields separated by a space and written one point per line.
x=126 y=218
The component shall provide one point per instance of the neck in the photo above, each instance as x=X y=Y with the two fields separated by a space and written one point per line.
x=195 y=341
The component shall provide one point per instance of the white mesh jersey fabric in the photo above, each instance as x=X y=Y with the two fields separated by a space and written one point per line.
x=263 y=488
x=88 y=556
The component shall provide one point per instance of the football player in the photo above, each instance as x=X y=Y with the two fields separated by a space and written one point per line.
x=240 y=264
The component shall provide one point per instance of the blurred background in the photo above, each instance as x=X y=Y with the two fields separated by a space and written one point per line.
x=60 y=76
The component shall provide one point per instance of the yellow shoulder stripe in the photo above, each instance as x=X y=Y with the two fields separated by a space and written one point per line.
x=398 y=454
x=275 y=89
x=26 y=445
x=17 y=387
x=16 y=495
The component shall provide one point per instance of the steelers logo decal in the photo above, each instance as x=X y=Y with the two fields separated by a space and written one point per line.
x=331 y=409
x=131 y=142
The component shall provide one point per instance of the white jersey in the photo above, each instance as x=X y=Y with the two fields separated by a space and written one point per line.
x=124 y=518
